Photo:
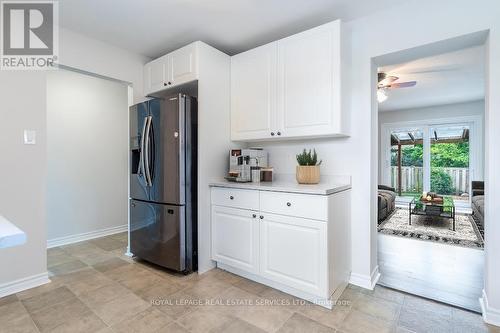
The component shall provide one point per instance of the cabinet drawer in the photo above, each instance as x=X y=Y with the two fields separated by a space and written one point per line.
x=292 y=204
x=246 y=199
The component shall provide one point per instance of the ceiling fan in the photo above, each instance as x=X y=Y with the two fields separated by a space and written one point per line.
x=387 y=82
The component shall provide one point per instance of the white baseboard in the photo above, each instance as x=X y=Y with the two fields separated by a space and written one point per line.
x=490 y=315
x=29 y=282
x=365 y=281
x=85 y=236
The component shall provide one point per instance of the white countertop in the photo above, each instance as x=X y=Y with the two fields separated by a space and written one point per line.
x=10 y=235
x=287 y=183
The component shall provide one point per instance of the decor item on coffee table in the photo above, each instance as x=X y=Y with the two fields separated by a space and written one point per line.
x=433 y=229
x=432 y=205
x=386 y=201
x=307 y=171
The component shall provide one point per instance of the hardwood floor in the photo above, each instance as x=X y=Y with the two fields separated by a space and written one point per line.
x=446 y=273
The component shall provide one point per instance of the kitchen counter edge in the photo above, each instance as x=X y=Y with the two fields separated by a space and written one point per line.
x=316 y=189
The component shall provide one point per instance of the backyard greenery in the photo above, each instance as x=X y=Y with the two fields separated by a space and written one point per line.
x=443 y=155
x=441 y=182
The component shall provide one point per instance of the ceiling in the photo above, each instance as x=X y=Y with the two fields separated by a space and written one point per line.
x=446 y=78
x=155 y=27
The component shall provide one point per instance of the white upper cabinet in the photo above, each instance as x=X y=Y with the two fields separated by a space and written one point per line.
x=175 y=68
x=182 y=65
x=309 y=83
x=155 y=75
x=253 y=85
x=295 y=84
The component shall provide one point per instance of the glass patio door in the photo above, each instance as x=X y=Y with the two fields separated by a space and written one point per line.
x=449 y=161
x=431 y=158
x=407 y=160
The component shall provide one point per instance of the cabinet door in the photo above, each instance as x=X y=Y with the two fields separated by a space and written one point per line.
x=293 y=251
x=235 y=238
x=155 y=75
x=309 y=82
x=182 y=65
x=253 y=90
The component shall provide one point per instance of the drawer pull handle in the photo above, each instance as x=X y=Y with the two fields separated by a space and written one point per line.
x=254 y=215
x=231 y=197
x=288 y=204
x=261 y=217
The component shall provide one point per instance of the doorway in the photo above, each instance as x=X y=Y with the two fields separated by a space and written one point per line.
x=87 y=169
x=431 y=153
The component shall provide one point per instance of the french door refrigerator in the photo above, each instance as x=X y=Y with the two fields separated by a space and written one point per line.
x=163 y=134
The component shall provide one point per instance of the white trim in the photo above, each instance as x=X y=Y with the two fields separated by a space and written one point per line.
x=29 y=282
x=128 y=253
x=85 y=236
x=490 y=315
x=365 y=281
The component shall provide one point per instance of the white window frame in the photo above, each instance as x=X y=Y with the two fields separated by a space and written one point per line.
x=475 y=124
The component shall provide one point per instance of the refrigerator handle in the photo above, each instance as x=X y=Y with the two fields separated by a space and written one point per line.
x=142 y=147
x=147 y=152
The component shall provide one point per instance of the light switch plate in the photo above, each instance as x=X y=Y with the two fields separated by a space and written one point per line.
x=29 y=137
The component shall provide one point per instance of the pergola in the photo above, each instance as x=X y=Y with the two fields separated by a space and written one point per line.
x=406 y=138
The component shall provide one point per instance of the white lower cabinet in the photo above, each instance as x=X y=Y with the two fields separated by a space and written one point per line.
x=235 y=238
x=278 y=239
x=293 y=252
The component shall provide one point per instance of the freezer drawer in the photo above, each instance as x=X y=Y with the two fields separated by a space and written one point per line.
x=158 y=234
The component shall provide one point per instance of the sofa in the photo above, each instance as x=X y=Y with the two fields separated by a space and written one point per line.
x=478 y=204
x=386 y=202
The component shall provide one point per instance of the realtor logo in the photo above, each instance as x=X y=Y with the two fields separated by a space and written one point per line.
x=29 y=34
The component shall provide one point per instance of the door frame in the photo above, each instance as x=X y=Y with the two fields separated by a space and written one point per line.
x=475 y=123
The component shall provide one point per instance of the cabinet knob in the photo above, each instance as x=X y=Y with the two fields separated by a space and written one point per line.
x=164 y=84
x=288 y=204
x=261 y=217
x=231 y=197
x=254 y=215
x=169 y=83
x=272 y=133
x=279 y=133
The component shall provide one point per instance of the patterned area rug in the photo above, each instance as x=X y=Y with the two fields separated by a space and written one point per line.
x=433 y=229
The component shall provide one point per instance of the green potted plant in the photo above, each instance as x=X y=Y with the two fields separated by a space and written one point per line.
x=307 y=171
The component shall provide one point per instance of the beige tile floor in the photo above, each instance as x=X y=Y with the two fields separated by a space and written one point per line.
x=95 y=288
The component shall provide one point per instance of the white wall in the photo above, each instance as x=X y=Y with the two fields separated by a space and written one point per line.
x=427 y=115
x=23 y=168
x=419 y=22
x=22 y=173
x=433 y=112
x=87 y=154
x=97 y=57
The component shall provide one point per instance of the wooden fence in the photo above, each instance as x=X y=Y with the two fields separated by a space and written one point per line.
x=412 y=179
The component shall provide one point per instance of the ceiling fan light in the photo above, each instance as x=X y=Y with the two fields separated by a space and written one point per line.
x=381 y=95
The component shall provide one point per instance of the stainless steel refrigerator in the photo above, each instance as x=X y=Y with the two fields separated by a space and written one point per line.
x=163 y=134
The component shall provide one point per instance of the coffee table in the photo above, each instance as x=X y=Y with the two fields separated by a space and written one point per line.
x=446 y=209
